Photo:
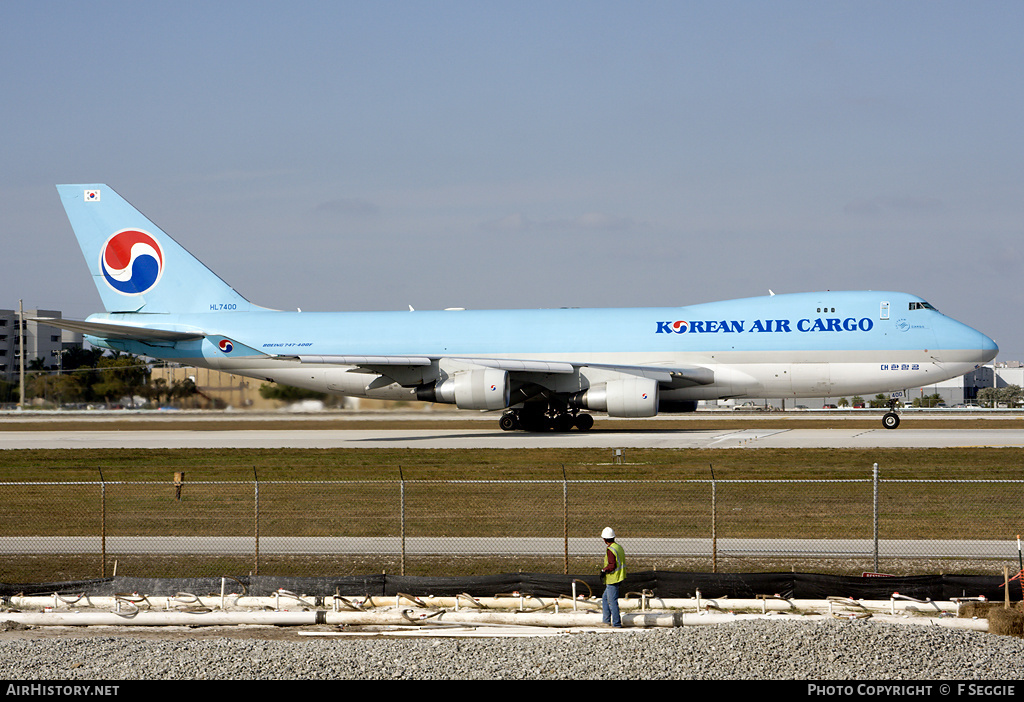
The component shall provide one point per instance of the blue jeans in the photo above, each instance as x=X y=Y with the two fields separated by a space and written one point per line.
x=610 y=605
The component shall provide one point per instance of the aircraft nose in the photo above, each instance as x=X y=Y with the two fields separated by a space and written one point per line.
x=983 y=346
x=987 y=348
x=959 y=341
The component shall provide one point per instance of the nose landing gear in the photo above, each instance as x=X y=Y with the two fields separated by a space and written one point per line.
x=891 y=420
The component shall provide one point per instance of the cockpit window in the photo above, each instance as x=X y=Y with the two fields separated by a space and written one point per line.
x=921 y=306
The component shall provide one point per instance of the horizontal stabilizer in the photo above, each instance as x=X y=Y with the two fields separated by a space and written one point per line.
x=107 y=330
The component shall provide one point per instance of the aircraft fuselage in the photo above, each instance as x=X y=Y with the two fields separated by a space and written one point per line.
x=798 y=345
x=542 y=366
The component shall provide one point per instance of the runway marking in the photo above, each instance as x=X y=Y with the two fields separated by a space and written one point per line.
x=745 y=436
x=483 y=439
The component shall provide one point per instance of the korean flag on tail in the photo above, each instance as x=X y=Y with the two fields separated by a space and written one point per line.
x=92 y=195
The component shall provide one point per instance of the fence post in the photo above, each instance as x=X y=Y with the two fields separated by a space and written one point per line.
x=401 y=496
x=103 y=526
x=256 y=520
x=874 y=481
x=714 y=521
x=565 y=522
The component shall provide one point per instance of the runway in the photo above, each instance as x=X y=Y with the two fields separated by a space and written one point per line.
x=485 y=438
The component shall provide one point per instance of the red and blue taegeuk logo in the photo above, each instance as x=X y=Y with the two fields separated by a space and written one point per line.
x=131 y=261
x=226 y=346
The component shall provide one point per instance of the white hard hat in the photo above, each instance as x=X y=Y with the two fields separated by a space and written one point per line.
x=608 y=533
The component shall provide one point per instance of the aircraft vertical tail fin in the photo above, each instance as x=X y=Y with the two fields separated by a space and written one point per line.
x=136 y=266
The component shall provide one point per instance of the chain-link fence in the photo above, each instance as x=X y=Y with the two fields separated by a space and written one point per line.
x=87 y=529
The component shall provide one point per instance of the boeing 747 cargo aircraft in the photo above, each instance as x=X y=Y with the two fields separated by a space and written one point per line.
x=545 y=369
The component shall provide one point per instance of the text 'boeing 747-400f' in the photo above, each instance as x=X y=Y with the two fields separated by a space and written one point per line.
x=547 y=369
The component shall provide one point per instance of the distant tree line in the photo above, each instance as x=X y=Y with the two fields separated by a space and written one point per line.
x=290 y=394
x=83 y=376
x=1011 y=396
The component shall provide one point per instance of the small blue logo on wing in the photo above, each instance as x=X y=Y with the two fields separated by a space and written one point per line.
x=131 y=262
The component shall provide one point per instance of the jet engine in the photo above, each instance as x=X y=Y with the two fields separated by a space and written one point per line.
x=483 y=389
x=628 y=397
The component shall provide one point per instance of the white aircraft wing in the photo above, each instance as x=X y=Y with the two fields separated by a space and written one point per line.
x=511 y=365
x=363 y=361
x=669 y=377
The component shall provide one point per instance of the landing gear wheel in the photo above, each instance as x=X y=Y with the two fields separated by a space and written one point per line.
x=534 y=419
x=890 y=420
x=584 y=422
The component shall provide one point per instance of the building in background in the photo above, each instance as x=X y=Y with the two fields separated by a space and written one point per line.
x=964 y=390
x=41 y=341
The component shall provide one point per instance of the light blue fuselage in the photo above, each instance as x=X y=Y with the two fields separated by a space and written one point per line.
x=162 y=302
x=872 y=341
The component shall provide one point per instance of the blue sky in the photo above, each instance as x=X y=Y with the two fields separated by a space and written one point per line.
x=375 y=155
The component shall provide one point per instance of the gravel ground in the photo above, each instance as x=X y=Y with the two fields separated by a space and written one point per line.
x=749 y=650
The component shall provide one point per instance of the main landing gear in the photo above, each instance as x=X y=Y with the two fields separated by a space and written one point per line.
x=549 y=419
x=891 y=420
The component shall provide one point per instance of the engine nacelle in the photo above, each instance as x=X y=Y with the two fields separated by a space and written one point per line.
x=484 y=389
x=628 y=397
